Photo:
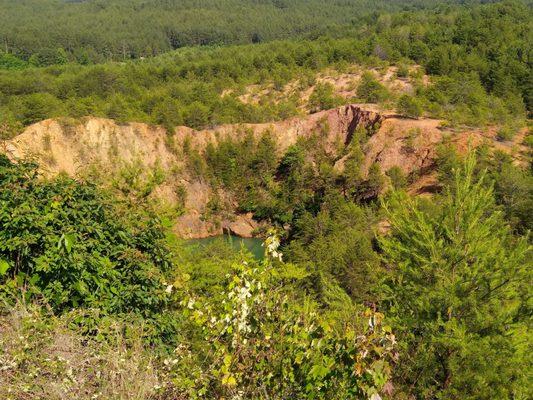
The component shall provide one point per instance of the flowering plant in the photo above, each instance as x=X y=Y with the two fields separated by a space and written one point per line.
x=263 y=344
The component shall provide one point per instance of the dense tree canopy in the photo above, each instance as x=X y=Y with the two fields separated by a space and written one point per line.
x=479 y=79
x=94 y=31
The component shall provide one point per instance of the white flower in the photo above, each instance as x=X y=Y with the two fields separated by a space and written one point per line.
x=169 y=289
x=278 y=255
x=190 y=304
x=272 y=243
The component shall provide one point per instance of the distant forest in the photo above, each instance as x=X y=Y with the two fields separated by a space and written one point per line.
x=101 y=30
x=481 y=56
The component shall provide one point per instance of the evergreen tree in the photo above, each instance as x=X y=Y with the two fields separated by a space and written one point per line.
x=458 y=284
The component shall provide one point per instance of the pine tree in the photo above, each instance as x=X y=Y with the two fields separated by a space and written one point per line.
x=457 y=288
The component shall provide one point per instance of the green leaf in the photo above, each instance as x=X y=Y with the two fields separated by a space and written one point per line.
x=227 y=359
x=70 y=239
x=319 y=371
x=4 y=267
x=229 y=380
x=66 y=241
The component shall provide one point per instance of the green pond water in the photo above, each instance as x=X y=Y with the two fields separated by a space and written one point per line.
x=253 y=245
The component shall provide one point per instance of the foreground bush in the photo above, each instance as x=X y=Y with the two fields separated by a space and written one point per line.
x=71 y=245
x=255 y=340
x=262 y=343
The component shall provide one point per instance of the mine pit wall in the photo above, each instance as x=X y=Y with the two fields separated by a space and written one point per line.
x=341 y=123
x=369 y=120
x=338 y=126
x=58 y=147
x=64 y=148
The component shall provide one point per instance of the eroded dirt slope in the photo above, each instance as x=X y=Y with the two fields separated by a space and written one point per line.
x=107 y=148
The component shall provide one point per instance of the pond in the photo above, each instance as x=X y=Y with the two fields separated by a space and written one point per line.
x=253 y=245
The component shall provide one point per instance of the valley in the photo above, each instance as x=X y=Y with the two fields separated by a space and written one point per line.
x=266 y=200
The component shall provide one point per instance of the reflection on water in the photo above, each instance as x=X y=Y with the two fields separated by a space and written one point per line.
x=253 y=245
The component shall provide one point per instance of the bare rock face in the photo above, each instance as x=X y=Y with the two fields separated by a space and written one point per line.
x=64 y=148
x=338 y=124
x=107 y=148
x=242 y=225
x=405 y=143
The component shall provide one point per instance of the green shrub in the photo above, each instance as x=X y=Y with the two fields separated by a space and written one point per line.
x=323 y=98
x=397 y=177
x=402 y=71
x=73 y=245
x=409 y=106
x=370 y=90
x=260 y=344
x=36 y=107
x=506 y=133
x=528 y=140
x=9 y=61
x=9 y=127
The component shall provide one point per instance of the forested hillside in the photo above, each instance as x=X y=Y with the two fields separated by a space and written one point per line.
x=379 y=150
x=94 y=31
x=479 y=57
